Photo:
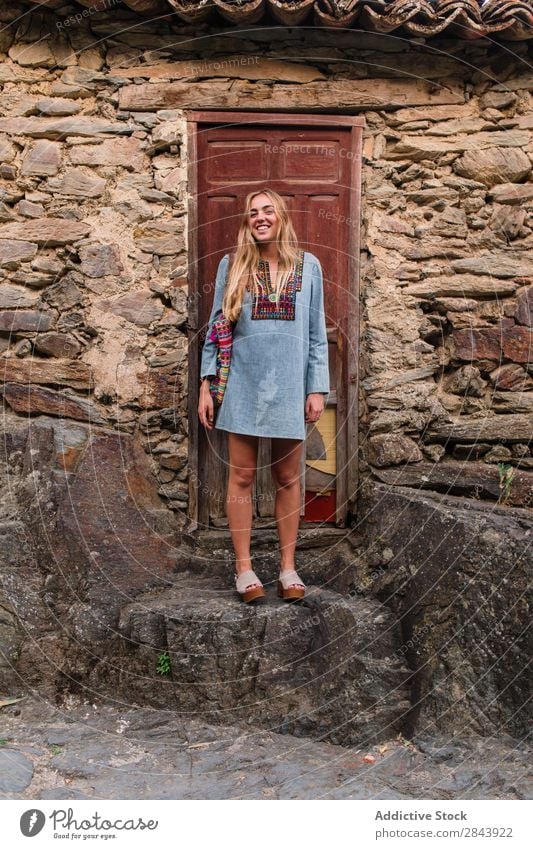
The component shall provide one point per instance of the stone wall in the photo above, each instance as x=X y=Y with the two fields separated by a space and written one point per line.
x=92 y=247
x=93 y=253
x=448 y=296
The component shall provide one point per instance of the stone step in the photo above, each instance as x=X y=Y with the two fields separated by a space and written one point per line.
x=327 y=667
x=324 y=556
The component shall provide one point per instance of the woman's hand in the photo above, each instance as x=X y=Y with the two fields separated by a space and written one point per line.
x=206 y=406
x=314 y=407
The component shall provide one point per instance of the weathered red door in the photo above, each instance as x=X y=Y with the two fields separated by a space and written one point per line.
x=313 y=161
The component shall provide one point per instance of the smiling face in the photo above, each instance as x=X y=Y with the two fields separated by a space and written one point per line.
x=264 y=221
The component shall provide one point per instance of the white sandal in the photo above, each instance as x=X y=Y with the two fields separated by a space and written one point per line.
x=249 y=579
x=286 y=590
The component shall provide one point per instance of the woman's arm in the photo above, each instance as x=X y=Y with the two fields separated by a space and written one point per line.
x=208 y=365
x=318 y=368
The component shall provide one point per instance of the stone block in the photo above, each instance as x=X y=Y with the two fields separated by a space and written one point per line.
x=392 y=449
x=36 y=55
x=31 y=210
x=512 y=342
x=43 y=159
x=75 y=182
x=514 y=402
x=52 y=372
x=496 y=165
x=164 y=238
x=518 y=344
x=7 y=150
x=524 y=307
x=490 y=149
x=45 y=231
x=140 y=308
x=60 y=128
x=126 y=153
x=469 y=479
x=461 y=286
x=100 y=260
x=482 y=428
x=327 y=667
x=497 y=265
x=459 y=581
x=36 y=399
x=25 y=319
x=57 y=106
x=16 y=296
x=512 y=193
x=511 y=378
x=476 y=344
x=466 y=381
x=57 y=345
x=13 y=252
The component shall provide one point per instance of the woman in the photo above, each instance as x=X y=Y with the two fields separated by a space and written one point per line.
x=278 y=376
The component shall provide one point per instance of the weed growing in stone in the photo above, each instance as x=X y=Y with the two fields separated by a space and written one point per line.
x=163 y=664
x=506 y=473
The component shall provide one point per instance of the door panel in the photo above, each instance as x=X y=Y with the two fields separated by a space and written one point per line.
x=309 y=168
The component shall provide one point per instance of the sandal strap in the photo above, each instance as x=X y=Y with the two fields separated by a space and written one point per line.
x=246 y=579
x=289 y=578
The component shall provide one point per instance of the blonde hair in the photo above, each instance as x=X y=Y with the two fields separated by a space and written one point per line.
x=243 y=265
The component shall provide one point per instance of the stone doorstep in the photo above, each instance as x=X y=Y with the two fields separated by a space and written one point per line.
x=325 y=667
x=324 y=557
x=312 y=536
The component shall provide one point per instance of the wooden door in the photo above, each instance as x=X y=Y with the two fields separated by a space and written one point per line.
x=314 y=162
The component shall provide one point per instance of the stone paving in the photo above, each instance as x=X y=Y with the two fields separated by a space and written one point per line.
x=80 y=750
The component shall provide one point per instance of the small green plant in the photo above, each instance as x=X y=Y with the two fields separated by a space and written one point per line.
x=3 y=741
x=55 y=749
x=163 y=664
x=506 y=473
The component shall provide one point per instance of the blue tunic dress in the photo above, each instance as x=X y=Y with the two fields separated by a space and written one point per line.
x=275 y=361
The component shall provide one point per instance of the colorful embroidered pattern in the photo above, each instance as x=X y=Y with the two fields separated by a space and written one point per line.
x=222 y=335
x=265 y=305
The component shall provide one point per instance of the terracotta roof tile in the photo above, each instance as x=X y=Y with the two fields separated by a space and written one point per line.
x=509 y=20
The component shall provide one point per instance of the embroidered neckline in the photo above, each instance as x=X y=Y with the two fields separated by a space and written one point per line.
x=263 y=273
x=265 y=304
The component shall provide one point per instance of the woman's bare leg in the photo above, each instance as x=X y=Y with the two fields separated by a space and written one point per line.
x=286 y=460
x=242 y=452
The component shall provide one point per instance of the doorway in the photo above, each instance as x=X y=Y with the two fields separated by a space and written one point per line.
x=314 y=162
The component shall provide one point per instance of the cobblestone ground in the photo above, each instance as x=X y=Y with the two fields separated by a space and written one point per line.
x=104 y=751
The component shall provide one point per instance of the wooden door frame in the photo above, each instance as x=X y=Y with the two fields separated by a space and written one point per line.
x=347 y=484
